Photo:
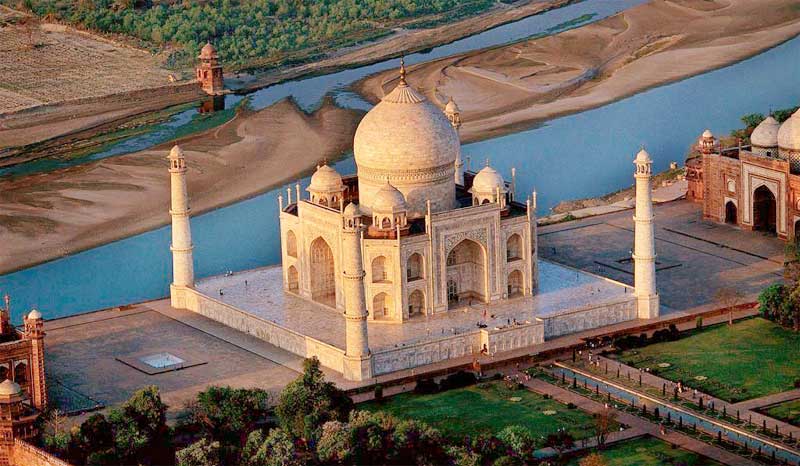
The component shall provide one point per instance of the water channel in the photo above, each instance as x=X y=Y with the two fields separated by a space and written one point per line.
x=701 y=422
x=580 y=155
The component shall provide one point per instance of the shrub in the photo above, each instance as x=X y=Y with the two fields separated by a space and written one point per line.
x=426 y=387
x=378 y=392
x=797 y=383
x=699 y=322
x=571 y=405
x=458 y=380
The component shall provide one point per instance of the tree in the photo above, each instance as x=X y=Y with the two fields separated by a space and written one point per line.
x=309 y=402
x=200 y=453
x=276 y=449
x=560 y=441
x=141 y=434
x=519 y=440
x=752 y=120
x=771 y=300
x=593 y=459
x=604 y=423
x=227 y=414
x=729 y=298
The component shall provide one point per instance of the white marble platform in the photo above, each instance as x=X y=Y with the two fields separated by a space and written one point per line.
x=560 y=289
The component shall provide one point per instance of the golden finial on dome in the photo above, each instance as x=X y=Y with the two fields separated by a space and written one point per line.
x=403 y=71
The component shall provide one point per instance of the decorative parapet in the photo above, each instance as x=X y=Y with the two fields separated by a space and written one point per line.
x=589 y=317
x=24 y=454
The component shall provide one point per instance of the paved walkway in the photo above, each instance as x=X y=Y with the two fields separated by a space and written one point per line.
x=641 y=425
x=769 y=400
x=657 y=382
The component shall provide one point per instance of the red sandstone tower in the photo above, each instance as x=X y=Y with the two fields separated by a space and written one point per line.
x=209 y=71
x=34 y=332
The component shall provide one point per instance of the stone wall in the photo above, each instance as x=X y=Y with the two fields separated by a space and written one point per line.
x=25 y=454
x=589 y=317
x=301 y=345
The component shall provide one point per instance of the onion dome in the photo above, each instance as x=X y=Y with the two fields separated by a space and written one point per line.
x=487 y=181
x=410 y=141
x=34 y=315
x=326 y=180
x=766 y=133
x=352 y=210
x=644 y=157
x=208 y=52
x=789 y=133
x=176 y=153
x=451 y=107
x=9 y=388
x=389 y=199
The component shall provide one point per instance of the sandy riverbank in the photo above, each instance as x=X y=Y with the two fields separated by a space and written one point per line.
x=50 y=215
x=66 y=119
x=506 y=89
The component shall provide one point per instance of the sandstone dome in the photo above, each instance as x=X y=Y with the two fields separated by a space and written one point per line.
x=352 y=210
x=789 y=133
x=326 y=180
x=409 y=141
x=208 y=52
x=487 y=181
x=9 y=388
x=34 y=314
x=389 y=199
x=766 y=133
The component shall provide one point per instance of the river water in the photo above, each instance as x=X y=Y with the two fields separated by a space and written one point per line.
x=581 y=155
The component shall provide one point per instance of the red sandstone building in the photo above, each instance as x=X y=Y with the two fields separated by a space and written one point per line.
x=23 y=390
x=756 y=186
x=209 y=71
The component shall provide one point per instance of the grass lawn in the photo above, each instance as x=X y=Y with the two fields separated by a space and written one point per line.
x=486 y=408
x=649 y=451
x=788 y=411
x=750 y=359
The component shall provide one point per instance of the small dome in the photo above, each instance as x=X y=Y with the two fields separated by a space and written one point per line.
x=643 y=157
x=789 y=133
x=707 y=134
x=176 y=152
x=352 y=210
x=326 y=180
x=451 y=107
x=208 y=52
x=9 y=388
x=388 y=199
x=34 y=315
x=766 y=133
x=488 y=180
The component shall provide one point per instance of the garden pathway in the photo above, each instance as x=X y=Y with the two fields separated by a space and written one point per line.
x=769 y=400
x=657 y=382
x=641 y=425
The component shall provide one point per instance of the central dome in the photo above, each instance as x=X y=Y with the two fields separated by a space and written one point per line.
x=409 y=142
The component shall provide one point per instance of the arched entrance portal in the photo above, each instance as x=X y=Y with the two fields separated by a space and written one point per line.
x=764 y=210
x=466 y=273
x=323 y=284
x=416 y=303
x=730 y=213
x=515 y=284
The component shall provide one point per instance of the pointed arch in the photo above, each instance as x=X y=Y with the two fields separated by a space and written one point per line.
x=414 y=267
x=514 y=247
x=380 y=270
x=515 y=284
x=323 y=282
x=416 y=303
x=381 y=306
x=291 y=244
x=293 y=279
x=467 y=264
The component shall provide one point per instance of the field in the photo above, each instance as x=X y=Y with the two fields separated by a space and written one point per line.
x=57 y=65
x=649 y=451
x=788 y=411
x=750 y=359
x=487 y=409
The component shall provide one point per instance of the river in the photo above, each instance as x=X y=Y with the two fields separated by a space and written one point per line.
x=580 y=155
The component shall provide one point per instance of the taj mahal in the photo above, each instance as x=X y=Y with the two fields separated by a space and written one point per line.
x=411 y=261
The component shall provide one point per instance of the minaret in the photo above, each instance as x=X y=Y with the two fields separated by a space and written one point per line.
x=357 y=359
x=644 y=248
x=34 y=331
x=182 y=263
x=453 y=114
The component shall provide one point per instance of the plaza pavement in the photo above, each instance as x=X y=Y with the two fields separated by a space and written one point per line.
x=695 y=257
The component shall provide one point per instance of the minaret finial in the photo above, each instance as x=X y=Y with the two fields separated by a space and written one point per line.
x=403 y=71
x=487 y=161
